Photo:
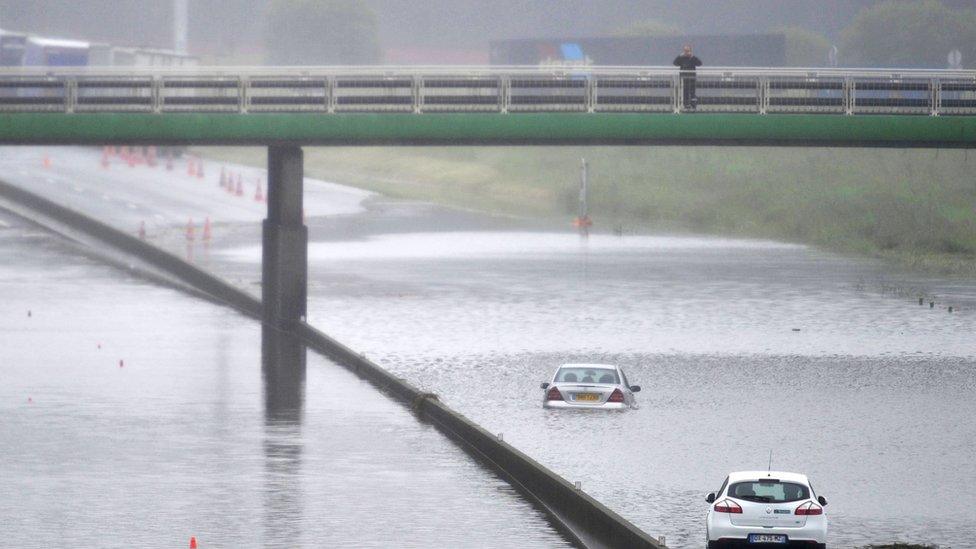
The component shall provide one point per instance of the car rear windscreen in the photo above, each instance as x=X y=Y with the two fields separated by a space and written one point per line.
x=587 y=375
x=769 y=492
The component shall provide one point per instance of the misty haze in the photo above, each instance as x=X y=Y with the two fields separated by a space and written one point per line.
x=375 y=273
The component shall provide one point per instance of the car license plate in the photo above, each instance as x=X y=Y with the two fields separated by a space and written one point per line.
x=587 y=397
x=767 y=538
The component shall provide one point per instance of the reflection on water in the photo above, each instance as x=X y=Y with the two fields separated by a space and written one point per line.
x=512 y=245
x=283 y=369
x=283 y=373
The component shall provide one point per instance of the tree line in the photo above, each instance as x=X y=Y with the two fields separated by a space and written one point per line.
x=892 y=33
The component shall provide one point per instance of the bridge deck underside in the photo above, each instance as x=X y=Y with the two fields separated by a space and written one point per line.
x=488 y=129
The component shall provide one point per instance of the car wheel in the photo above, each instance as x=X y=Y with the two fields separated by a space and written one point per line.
x=711 y=544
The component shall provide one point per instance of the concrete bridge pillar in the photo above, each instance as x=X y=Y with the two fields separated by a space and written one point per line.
x=283 y=372
x=284 y=277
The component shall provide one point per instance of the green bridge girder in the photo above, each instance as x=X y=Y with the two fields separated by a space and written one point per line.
x=355 y=129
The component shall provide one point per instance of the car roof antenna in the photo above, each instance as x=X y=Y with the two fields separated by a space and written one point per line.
x=769 y=468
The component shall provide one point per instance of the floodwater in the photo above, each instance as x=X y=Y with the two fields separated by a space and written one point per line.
x=742 y=347
x=134 y=416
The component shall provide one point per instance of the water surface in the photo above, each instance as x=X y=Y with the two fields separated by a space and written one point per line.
x=741 y=347
x=175 y=441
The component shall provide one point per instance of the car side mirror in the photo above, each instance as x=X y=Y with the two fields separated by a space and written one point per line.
x=635 y=388
x=710 y=498
x=822 y=500
x=544 y=385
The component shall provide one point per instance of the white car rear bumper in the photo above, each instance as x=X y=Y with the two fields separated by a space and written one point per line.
x=564 y=404
x=721 y=528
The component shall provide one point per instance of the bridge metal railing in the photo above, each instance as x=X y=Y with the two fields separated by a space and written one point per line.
x=488 y=90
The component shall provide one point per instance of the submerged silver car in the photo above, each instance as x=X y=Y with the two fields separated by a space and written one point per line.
x=589 y=386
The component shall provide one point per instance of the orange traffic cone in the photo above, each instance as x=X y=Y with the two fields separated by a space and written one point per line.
x=142 y=230
x=258 y=193
x=193 y=542
x=583 y=222
x=47 y=160
x=189 y=231
x=190 y=168
x=206 y=230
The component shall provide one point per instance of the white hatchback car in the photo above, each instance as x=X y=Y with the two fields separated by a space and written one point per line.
x=766 y=509
x=589 y=386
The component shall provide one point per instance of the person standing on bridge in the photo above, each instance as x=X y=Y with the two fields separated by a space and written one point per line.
x=687 y=62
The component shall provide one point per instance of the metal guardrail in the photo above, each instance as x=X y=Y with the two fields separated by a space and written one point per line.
x=488 y=90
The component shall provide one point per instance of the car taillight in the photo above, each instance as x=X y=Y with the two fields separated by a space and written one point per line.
x=554 y=394
x=616 y=396
x=809 y=508
x=728 y=506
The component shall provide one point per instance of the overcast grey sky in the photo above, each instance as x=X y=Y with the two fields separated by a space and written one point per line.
x=430 y=23
x=236 y=25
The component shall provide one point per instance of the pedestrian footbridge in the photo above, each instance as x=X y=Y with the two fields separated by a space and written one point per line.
x=487 y=106
x=285 y=109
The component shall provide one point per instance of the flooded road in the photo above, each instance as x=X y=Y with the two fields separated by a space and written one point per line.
x=741 y=347
x=134 y=416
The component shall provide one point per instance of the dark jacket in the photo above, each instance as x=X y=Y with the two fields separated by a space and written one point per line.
x=687 y=63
